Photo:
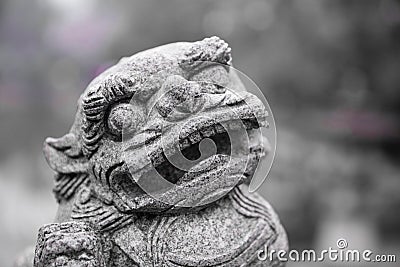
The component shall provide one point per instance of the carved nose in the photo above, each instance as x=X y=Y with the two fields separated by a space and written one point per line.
x=179 y=96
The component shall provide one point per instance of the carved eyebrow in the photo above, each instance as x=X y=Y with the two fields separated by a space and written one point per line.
x=96 y=102
x=211 y=49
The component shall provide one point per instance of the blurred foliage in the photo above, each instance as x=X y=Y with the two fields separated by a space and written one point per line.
x=330 y=70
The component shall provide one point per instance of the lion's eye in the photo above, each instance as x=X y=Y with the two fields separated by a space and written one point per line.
x=124 y=118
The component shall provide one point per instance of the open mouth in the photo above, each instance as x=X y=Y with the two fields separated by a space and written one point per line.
x=231 y=145
x=172 y=168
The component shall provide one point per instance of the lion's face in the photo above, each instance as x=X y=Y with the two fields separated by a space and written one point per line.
x=144 y=127
x=70 y=244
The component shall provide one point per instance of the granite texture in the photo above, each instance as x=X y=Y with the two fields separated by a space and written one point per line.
x=113 y=208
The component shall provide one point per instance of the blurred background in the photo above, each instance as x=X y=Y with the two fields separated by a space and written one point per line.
x=330 y=70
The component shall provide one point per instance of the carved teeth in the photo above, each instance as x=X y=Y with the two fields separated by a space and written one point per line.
x=263 y=123
x=157 y=160
x=208 y=132
x=195 y=137
x=219 y=128
x=185 y=143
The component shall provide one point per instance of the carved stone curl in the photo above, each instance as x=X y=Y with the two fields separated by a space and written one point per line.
x=106 y=219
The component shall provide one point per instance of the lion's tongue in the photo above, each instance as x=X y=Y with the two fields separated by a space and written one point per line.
x=207 y=181
x=204 y=183
x=205 y=165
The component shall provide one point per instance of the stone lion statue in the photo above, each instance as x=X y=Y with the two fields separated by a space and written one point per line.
x=131 y=122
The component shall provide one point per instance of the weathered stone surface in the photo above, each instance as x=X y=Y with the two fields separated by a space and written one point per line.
x=70 y=244
x=133 y=121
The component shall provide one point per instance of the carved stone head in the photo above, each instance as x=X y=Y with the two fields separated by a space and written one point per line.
x=70 y=244
x=136 y=120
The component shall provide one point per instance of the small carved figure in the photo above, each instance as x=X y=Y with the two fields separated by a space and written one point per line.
x=113 y=212
x=70 y=244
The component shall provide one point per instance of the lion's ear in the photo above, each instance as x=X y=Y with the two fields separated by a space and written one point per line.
x=64 y=155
